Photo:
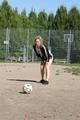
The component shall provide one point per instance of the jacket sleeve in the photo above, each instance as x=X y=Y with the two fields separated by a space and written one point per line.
x=34 y=47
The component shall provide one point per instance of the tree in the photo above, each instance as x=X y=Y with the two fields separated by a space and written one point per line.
x=15 y=19
x=5 y=14
x=51 y=21
x=73 y=19
x=24 y=18
x=61 y=18
x=33 y=18
x=43 y=19
x=79 y=20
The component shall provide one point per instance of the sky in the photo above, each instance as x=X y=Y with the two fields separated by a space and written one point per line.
x=50 y=6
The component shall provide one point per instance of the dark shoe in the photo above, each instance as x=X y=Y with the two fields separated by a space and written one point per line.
x=41 y=81
x=45 y=82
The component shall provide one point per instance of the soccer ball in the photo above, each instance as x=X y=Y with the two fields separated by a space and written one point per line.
x=27 y=88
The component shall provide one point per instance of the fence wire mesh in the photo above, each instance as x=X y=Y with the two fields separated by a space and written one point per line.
x=17 y=44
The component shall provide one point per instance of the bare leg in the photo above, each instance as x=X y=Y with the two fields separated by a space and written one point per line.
x=47 y=71
x=48 y=65
x=42 y=68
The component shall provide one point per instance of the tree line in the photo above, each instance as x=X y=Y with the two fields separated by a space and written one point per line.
x=62 y=20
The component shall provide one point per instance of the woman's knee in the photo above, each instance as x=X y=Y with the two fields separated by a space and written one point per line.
x=41 y=67
x=48 y=66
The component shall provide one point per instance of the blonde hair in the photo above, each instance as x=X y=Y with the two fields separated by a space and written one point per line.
x=40 y=38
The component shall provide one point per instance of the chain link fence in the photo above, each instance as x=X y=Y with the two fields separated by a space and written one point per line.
x=16 y=45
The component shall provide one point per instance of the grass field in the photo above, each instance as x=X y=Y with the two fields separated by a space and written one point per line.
x=74 y=69
x=60 y=100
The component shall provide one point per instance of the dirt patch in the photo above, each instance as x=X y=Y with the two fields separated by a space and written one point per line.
x=60 y=100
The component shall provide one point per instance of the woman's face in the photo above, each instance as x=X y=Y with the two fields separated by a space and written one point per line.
x=38 y=42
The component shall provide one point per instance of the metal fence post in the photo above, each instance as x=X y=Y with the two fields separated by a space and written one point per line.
x=68 y=51
x=32 y=55
x=24 y=54
x=6 y=42
x=27 y=45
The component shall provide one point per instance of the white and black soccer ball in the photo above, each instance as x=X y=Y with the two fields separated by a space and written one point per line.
x=27 y=88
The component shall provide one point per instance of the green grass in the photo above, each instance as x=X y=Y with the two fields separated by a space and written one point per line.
x=73 y=68
x=73 y=65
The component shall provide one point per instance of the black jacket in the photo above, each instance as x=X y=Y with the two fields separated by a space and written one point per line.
x=43 y=52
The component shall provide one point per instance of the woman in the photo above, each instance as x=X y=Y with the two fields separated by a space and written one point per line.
x=46 y=59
